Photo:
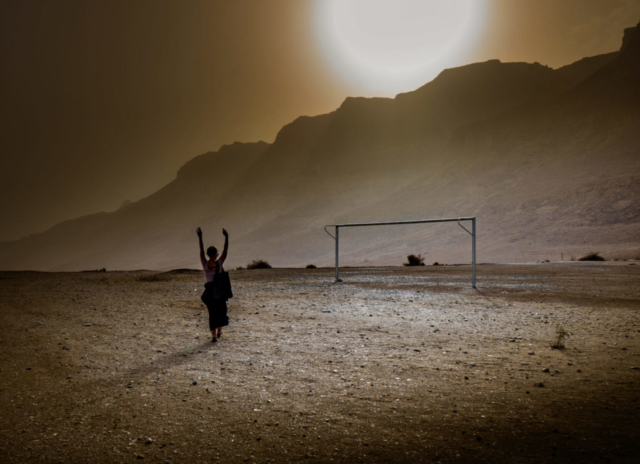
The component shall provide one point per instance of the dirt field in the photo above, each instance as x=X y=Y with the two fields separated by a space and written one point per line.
x=391 y=365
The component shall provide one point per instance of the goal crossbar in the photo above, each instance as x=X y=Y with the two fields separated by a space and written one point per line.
x=471 y=232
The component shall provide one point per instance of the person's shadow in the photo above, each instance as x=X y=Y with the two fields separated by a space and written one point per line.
x=158 y=365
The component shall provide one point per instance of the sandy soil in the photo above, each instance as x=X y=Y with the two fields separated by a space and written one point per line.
x=391 y=365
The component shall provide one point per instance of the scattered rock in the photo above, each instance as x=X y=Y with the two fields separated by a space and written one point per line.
x=195 y=382
x=545 y=370
x=148 y=441
x=538 y=384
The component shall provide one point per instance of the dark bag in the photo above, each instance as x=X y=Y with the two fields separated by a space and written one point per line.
x=222 y=284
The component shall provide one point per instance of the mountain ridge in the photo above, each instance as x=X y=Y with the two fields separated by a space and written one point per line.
x=509 y=142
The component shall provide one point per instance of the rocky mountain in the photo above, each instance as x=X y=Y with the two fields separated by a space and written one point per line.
x=547 y=159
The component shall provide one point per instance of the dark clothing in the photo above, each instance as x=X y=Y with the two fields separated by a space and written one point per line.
x=217 y=308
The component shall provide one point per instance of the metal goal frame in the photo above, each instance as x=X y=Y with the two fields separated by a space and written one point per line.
x=471 y=232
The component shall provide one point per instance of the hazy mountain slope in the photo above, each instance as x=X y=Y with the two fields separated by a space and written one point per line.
x=145 y=234
x=549 y=177
x=547 y=159
x=554 y=175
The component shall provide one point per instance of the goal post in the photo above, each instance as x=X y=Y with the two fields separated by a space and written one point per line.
x=459 y=220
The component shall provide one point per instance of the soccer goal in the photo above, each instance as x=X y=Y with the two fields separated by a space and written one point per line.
x=459 y=220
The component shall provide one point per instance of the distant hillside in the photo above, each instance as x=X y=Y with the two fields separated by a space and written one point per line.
x=548 y=160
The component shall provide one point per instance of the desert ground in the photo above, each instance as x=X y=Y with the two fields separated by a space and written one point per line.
x=390 y=365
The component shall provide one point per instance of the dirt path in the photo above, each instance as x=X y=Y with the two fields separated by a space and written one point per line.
x=392 y=365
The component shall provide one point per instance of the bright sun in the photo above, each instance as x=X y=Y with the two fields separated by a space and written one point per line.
x=390 y=46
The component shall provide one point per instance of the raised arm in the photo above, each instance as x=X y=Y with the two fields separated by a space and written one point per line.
x=223 y=256
x=199 y=232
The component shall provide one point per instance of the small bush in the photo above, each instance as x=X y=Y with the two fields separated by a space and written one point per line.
x=414 y=260
x=592 y=257
x=311 y=266
x=239 y=268
x=258 y=264
x=187 y=351
x=436 y=263
x=561 y=336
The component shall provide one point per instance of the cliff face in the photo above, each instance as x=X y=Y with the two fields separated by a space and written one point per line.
x=547 y=159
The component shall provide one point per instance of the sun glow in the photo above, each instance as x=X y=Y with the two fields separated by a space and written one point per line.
x=389 y=46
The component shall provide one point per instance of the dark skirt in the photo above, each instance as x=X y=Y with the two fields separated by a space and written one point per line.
x=217 y=308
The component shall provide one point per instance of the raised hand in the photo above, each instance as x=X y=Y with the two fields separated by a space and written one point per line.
x=225 y=233
x=199 y=232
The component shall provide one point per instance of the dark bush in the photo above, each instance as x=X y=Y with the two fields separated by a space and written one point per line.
x=592 y=257
x=414 y=260
x=239 y=268
x=311 y=266
x=258 y=264
x=436 y=263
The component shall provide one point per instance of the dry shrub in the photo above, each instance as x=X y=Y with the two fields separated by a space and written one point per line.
x=187 y=351
x=561 y=336
x=311 y=266
x=414 y=260
x=592 y=257
x=258 y=264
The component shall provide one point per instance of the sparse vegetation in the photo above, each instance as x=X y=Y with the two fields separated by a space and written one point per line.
x=258 y=264
x=187 y=351
x=436 y=263
x=239 y=268
x=311 y=266
x=561 y=336
x=592 y=257
x=413 y=260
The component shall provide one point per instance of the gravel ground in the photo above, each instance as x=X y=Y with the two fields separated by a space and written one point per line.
x=391 y=365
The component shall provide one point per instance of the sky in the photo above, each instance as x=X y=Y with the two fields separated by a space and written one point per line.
x=102 y=101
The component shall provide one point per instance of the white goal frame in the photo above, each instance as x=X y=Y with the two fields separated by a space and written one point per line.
x=471 y=232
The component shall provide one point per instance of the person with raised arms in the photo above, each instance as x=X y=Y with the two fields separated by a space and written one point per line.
x=212 y=267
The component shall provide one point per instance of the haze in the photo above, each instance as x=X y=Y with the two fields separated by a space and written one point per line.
x=103 y=101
